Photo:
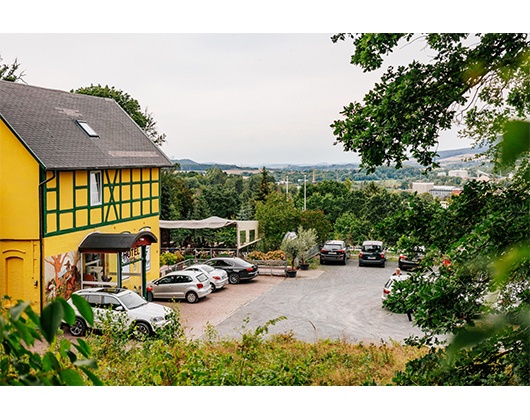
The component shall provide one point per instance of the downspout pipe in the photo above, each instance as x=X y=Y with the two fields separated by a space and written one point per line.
x=41 y=233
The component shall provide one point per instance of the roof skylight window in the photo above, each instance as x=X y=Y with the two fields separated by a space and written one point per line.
x=89 y=130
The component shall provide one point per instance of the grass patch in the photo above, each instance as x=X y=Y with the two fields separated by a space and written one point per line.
x=252 y=360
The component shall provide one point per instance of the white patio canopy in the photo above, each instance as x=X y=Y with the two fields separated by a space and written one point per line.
x=247 y=230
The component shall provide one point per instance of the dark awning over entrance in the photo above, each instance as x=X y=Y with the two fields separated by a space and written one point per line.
x=115 y=242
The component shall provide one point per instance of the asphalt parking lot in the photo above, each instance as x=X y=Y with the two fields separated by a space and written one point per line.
x=330 y=302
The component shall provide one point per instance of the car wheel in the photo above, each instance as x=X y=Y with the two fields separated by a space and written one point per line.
x=360 y=263
x=383 y=265
x=233 y=278
x=191 y=297
x=213 y=287
x=79 y=328
x=150 y=296
x=344 y=261
x=142 y=329
x=322 y=261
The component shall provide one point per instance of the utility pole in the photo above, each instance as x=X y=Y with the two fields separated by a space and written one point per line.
x=287 y=186
x=304 y=192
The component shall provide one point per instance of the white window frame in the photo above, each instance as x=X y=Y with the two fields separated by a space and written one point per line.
x=96 y=188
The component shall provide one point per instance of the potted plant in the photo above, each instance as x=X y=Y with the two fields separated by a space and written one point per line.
x=296 y=246
x=307 y=239
x=291 y=249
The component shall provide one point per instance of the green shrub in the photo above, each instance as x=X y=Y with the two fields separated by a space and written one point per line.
x=20 y=330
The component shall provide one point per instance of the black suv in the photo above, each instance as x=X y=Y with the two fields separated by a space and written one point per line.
x=334 y=251
x=372 y=253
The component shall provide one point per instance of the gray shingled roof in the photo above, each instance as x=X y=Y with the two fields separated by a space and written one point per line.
x=45 y=120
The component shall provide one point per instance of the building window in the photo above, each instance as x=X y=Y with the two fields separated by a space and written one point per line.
x=87 y=129
x=96 y=188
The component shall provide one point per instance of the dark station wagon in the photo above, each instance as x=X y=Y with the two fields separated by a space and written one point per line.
x=372 y=253
x=334 y=251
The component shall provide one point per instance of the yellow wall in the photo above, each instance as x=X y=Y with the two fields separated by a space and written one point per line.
x=19 y=220
x=19 y=192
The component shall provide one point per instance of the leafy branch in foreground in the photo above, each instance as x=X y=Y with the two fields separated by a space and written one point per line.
x=481 y=80
x=21 y=328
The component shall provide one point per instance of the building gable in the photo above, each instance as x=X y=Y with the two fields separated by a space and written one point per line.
x=51 y=124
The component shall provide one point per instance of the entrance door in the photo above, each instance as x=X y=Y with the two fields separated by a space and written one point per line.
x=13 y=285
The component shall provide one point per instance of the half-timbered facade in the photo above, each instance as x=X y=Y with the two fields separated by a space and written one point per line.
x=80 y=195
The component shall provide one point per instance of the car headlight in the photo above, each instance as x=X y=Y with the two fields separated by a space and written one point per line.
x=158 y=318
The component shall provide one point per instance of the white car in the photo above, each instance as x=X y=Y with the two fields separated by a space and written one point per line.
x=189 y=285
x=218 y=277
x=387 y=289
x=121 y=307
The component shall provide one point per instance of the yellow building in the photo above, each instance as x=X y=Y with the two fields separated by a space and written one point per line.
x=79 y=195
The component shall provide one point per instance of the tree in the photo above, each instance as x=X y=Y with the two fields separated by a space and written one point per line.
x=176 y=199
x=483 y=296
x=9 y=72
x=265 y=186
x=131 y=106
x=316 y=219
x=481 y=80
x=276 y=217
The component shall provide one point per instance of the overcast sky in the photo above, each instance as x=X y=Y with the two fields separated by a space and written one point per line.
x=240 y=98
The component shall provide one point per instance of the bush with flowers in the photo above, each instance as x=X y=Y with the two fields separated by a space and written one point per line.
x=171 y=258
x=266 y=256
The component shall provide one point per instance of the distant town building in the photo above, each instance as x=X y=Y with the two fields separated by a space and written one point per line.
x=444 y=191
x=422 y=187
x=459 y=173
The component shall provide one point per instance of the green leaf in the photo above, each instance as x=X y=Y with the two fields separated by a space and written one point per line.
x=50 y=362
x=69 y=313
x=51 y=318
x=71 y=377
x=84 y=308
x=95 y=380
x=83 y=347
x=89 y=363
x=17 y=310
x=516 y=141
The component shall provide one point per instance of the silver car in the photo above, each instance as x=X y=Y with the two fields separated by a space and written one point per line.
x=387 y=289
x=187 y=285
x=123 y=308
x=218 y=277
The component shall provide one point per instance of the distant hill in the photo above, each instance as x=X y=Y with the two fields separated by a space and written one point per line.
x=447 y=154
x=190 y=165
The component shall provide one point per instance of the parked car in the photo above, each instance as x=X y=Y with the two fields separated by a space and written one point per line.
x=387 y=289
x=334 y=251
x=237 y=268
x=188 y=285
x=218 y=278
x=372 y=253
x=411 y=260
x=122 y=307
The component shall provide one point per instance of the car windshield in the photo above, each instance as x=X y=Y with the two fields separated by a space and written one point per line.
x=240 y=261
x=332 y=247
x=202 y=277
x=371 y=248
x=132 y=300
x=206 y=268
